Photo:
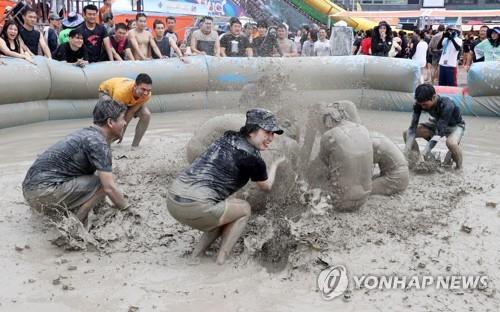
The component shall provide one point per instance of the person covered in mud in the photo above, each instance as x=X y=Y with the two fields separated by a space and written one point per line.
x=200 y=196
x=133 y=94
x=75 y=174
x=394 y=175
x=347 y=152
x=446 y=121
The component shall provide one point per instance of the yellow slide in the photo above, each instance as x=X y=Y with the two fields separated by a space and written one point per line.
x=327 y=7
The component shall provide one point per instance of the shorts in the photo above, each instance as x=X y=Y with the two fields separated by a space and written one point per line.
x=70 y=195
x=457 y=130
x=435 y=58
x=203 y=216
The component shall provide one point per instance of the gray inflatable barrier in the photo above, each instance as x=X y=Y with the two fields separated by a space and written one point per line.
x=55 y=90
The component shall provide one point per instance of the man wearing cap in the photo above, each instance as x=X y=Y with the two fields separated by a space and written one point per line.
x=446 y=122
x=50 y=33
x=75 y=174
x=200 y=196
x=133 y=94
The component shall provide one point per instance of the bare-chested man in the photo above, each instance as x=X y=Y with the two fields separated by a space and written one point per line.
x=141 y=40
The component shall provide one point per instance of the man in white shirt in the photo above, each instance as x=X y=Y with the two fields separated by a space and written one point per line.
x=287 y=46
x=451 y=44
x=322 y=46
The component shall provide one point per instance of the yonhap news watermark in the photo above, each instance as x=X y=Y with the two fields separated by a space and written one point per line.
x=334 y=281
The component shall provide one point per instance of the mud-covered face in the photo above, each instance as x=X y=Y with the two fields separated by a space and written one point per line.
x=428 y=104
x=261 y=139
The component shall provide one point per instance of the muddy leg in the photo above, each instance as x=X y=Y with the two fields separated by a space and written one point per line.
x=144 y=117
x=84 y=210
x=233 y=221
x=452 y=143
x=206 y=240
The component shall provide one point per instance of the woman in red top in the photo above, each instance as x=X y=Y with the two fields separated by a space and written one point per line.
x=366 y=44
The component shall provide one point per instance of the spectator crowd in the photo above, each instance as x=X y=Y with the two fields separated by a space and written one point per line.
x=95 y=37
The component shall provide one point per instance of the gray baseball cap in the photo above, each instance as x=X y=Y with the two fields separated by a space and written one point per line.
x=263 y=118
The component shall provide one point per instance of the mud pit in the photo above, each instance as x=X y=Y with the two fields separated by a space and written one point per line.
x=141 y=259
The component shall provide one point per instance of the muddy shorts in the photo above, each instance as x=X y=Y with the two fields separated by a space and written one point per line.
x=391 y=182
x=69 y=195
x=456 y=131
x=203 y=216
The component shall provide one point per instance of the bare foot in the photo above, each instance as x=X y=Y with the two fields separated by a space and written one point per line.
x=221 y=258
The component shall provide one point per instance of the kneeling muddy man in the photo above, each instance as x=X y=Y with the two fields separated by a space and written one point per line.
x=76 y=173
x=201 y=195
x=446 y=122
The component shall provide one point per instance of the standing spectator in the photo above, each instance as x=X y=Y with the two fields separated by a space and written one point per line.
x=248 y=32
x=131 y=24
x=435 y=53
x=357 y=42
x=467 y=50
x=483 y=35
x=305 y=34
x=73 y=21
x=297 y=42
x=266 y=44
x=10 y=45
x=322 y=46
x=308 y=46
x=119 y=44
x=489 y=48
x=287 y=46
x=205 y=40
x=404 y=45
x=142 y=41
x=73 y=52
x=165 y=43
x=381 y=39
x=170 y=31
x=451 y=45
x=420 y=55
x=366 y=44
x=396 y=45
x=95 y=36
x=234 y=43
x=32 y=37
x=50 y=33
x=106 y=8
x=109 y=23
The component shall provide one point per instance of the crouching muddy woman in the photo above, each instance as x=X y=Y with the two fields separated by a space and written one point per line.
x=201 y=195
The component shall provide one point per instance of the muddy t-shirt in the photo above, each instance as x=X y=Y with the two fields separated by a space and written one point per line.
x=224 y=168
x=206 y=43
x=80 y=153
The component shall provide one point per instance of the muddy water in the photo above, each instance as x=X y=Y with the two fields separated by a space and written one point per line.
x=417 y=232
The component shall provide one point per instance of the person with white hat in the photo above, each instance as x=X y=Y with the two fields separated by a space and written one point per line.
x=71 y=22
